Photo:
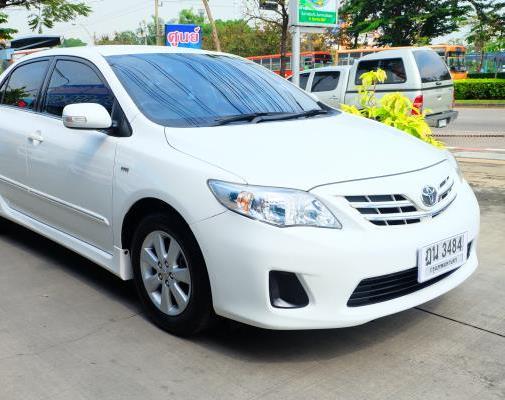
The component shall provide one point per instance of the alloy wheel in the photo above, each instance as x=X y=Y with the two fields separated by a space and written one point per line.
x=165 y=273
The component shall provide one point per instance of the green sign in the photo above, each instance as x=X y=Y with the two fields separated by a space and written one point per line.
x=321 y=13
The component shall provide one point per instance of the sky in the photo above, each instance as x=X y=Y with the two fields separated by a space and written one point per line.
x=119 y=15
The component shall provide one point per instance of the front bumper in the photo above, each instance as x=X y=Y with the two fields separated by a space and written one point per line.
x=240 y=253
x=433 y=120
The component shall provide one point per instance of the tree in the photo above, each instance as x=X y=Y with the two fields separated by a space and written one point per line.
x=45 y=13
x=487 y=27
x=124 y=38
x=404 y=23
x=236 y=36
x=73 y=42
x=276 y=16
x=5 y=33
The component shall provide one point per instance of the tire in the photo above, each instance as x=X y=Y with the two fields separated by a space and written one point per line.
x=176 y=295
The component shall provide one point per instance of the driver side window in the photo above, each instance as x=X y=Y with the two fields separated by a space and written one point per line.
x=75 y=82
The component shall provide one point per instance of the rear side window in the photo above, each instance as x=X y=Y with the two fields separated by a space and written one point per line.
x=394 y=68
x=74 y=82
x=24 y=85
x=304 y=79
x=325 y=81
x=431 y=67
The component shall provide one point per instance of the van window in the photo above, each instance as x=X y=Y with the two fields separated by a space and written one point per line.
x=394 y=68
x=325 y=81
x=74 y=82
x=431 y=67
x=24 y=85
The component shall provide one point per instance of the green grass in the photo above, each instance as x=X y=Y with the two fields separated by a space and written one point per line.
x=498 y=102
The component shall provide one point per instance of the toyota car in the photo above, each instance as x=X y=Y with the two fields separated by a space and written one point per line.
x=222 y=189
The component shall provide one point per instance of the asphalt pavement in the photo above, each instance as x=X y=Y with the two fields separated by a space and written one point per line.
x=477 y=129
x=70 y=330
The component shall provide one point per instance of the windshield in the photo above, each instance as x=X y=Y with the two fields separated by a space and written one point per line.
x=196 y=89
x=456 y=61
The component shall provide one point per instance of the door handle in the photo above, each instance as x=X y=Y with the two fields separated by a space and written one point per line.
x=36 y=137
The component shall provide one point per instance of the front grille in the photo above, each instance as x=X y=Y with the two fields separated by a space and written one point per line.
x=384 y=210
x=391 y=286
x=397 y=209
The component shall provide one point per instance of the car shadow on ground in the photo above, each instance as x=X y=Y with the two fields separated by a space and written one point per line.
x=229 y=339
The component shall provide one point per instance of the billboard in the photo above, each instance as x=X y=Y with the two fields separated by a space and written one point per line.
x=181 y=35
x=314 y=13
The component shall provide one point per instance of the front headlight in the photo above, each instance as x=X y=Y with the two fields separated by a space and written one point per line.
x=452 y=160
x=275 y=206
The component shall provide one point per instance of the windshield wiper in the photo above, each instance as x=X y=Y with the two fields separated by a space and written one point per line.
x=245 y=117
x=269 y=116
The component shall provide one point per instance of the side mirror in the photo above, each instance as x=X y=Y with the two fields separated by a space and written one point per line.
x=86 y=116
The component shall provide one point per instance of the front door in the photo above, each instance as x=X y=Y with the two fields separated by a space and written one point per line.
x=71 y=171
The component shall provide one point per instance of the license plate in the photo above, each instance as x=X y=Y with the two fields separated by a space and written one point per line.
x=442 y=123
x=441 y=257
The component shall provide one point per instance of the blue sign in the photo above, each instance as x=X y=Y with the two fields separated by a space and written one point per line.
x=6 y=54
x=184 y=36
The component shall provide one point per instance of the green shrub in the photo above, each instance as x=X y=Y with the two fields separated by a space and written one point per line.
x=480 y=89
x=394 y=109
x=486 y=75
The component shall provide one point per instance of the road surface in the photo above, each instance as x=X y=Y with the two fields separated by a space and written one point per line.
x=479 y=128
x=70 y=330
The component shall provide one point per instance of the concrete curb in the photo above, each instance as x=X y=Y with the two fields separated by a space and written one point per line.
x=479 y=105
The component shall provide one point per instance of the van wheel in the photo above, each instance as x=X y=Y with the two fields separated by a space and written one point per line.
x=170 y=276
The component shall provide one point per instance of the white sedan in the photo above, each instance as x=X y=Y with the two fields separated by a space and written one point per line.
x=222 y=189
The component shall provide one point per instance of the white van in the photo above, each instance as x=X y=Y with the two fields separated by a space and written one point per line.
x=420 y=74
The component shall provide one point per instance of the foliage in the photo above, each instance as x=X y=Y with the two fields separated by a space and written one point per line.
x=5 y=33
x=393 y=109
x=125 y=37
x=237 y=36
x=45 y=13
x=73 y=42
x=403 y=23
x=487 y=89
x=275 y=19
x=487 y=75
x=487 y=27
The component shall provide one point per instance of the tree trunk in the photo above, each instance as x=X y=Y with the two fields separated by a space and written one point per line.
x=215 y=35
x=284 y=46
x=481 y=61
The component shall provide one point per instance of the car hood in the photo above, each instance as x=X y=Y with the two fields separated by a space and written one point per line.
x=303 y=154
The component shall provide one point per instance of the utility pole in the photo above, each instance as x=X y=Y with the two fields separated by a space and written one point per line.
x=157 y=20
x=215 y=36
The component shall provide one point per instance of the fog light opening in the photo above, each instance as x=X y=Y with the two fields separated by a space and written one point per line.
x=286 y=290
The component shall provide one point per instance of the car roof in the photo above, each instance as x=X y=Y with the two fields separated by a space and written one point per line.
x=330 y=68
x=105 y=51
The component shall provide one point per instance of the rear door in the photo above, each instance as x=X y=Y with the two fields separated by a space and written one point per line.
x=436 y=82
x=326 y=86
x=19 y=96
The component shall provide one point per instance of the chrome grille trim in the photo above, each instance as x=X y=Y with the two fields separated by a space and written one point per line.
x=399 y=209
